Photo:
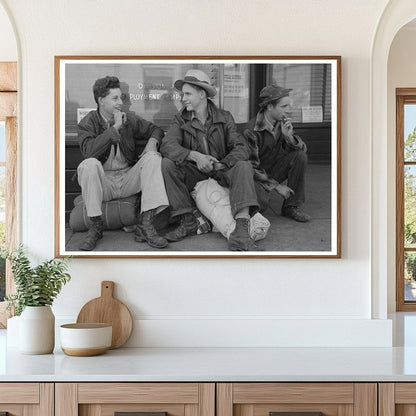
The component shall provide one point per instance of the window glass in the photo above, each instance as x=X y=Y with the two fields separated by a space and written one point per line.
x=409 y=137
x=409 y=132
x=236 y=91
x=311 y=89
x=149 y=92
x=2 y=141
x=147 y=89
x=410 y=275
x=410 y=206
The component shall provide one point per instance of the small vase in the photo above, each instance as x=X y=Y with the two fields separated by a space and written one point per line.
x=37 y=330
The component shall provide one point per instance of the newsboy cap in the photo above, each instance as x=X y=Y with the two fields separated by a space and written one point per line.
x=272 y=93
x=199 y=78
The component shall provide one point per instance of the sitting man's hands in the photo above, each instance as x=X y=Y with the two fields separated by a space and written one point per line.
x=204 y=163
x=287 y=127
x=284 y=191
x=219 y=166
x=119 y=119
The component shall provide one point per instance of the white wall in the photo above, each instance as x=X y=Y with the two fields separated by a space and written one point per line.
x=202 y=302
x=8 y=46
x=401 y=74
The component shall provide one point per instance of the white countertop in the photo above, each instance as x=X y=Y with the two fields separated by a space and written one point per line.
x=222 y=364
x=215 y=364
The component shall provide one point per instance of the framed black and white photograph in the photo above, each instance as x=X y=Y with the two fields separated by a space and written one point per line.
x=198 y=156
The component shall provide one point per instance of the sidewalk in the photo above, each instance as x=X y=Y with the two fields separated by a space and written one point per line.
x=284 y=234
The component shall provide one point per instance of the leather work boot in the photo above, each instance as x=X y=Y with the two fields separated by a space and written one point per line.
x=240 y=239
x=145 y=231
x=295 y=213
x=95 y=232
x=187 y=226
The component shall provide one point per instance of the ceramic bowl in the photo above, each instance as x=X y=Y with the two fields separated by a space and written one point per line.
x=84 y=340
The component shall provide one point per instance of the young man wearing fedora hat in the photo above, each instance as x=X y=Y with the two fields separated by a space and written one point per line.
x=279 y=154
x=203 y=143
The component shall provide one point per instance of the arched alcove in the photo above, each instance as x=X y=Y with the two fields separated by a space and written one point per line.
x=396 y=15
x=401 y=73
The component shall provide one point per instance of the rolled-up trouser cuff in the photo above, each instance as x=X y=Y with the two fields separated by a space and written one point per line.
x=253 y=206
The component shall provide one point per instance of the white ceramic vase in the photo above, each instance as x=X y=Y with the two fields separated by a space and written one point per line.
x=37 y=330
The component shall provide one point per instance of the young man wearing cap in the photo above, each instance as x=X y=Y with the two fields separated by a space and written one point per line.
x=279 y=153
x=203 y=142
x=115 y=168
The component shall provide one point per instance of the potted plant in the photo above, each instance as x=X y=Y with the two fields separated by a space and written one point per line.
x=36 y=289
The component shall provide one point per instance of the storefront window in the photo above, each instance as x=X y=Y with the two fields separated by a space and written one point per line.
x=311 y=85
x=235 y=91
x=147 y=89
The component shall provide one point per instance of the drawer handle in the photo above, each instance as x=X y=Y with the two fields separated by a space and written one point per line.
x=295 y=414
x=139 y=414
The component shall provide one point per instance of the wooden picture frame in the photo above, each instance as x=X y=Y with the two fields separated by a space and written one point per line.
x=147 y=87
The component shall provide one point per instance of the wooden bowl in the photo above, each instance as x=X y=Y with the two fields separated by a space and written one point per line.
x=84 y=340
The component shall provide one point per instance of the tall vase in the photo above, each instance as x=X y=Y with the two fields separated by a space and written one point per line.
x=37 y=330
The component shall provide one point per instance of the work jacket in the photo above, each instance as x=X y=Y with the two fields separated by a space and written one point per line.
x=96 y=138
x=185 y=134
x=265 y=147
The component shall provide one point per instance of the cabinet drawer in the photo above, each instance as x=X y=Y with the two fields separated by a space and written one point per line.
x=268 y=399
x=138 y=393
x=397 y=399
x=19 y=393
x=107 y=399
x=21 y=399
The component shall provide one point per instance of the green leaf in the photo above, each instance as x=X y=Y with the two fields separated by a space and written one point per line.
x=35 y=286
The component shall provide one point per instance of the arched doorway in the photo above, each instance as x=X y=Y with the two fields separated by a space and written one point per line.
x=395 y=16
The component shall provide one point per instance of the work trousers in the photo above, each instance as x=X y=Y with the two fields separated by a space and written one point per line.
x=181 y=179
x=98 y=185
x=291 y=166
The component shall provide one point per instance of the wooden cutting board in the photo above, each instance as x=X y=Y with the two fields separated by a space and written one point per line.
x=108 y=310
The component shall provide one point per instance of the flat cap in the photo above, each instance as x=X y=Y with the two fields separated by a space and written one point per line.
x=272 y=93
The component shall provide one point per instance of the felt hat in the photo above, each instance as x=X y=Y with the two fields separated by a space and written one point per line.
x=199 y=78
x=272 y=93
